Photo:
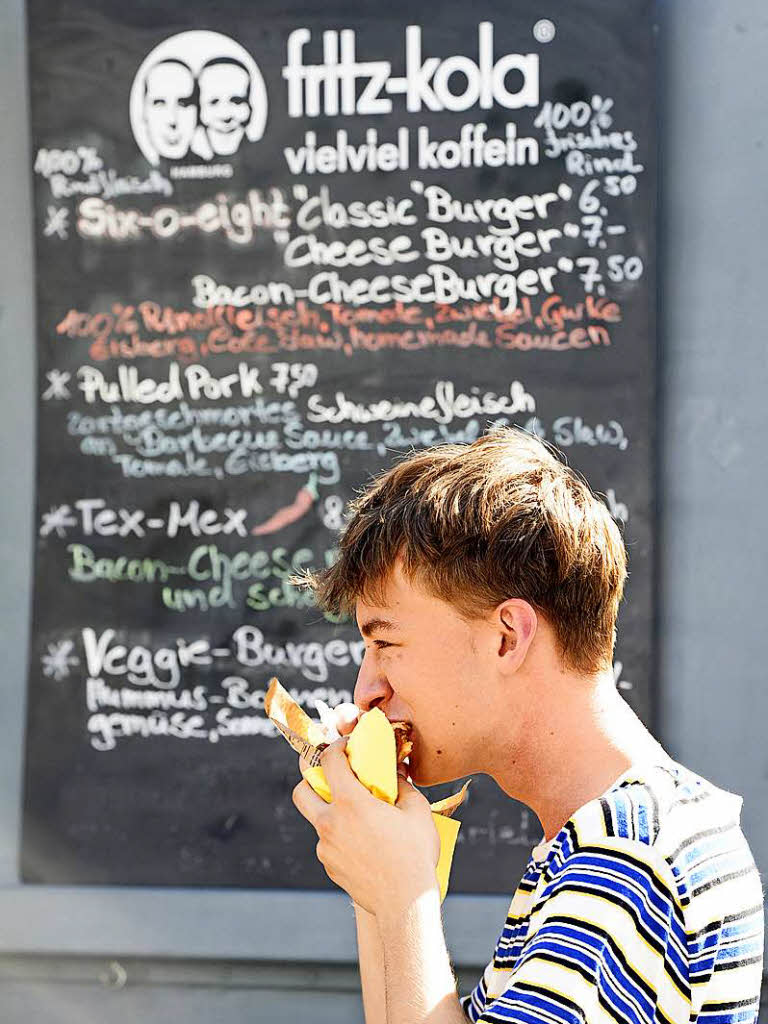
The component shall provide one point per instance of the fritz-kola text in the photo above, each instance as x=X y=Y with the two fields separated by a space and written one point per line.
x=430 y=83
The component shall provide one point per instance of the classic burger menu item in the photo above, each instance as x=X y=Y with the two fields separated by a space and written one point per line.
x=273 y=254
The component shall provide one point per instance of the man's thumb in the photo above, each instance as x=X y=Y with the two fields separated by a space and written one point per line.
x=347 y=716
x=406 y=791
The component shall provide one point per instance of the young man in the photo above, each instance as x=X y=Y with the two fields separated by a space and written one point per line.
x=486 y=581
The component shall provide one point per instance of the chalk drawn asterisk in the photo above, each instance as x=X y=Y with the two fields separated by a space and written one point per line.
x=59 y=659
x=57 y=222
x=58 y=518
x=57 y=380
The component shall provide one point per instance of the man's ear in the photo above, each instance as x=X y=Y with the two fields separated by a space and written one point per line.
x=516 y=623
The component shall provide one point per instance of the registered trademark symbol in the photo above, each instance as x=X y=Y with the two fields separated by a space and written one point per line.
x=544 y=31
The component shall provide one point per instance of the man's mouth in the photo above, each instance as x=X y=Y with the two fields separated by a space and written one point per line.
x=403 y=740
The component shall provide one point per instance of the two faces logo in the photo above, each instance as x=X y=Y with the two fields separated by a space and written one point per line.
x=198 y=93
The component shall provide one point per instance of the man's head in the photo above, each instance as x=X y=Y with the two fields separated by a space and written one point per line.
x=225 y=103
x=478 y=574
x=170 y=108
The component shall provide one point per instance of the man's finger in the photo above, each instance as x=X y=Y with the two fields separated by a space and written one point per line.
x=307 y=802
x=340 y=776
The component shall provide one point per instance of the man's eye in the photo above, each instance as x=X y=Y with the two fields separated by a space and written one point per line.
x=382 y=644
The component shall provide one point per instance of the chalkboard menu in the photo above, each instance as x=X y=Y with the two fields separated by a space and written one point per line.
x=276 y=248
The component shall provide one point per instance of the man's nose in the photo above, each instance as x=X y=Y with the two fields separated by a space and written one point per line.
x=371 y=688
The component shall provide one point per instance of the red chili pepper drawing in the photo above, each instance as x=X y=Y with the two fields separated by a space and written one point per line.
x=290 y=513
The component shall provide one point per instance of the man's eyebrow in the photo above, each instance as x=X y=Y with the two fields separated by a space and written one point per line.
x=376 y=626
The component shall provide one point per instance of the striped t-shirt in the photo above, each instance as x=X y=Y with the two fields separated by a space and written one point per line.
x=645 y=908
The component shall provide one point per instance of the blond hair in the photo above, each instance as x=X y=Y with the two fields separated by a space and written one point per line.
x=476 y=524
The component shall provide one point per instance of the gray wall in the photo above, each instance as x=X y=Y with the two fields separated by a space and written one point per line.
x=712 y=700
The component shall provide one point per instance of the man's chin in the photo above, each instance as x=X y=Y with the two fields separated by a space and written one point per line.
x=429 y=775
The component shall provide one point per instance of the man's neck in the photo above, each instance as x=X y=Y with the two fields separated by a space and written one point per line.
x=579 y=740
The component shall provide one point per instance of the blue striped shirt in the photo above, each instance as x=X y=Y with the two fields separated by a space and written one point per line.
x=645 y=908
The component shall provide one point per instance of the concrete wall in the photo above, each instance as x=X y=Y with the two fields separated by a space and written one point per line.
x=712 y=696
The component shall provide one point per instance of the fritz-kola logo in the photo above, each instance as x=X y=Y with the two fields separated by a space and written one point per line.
x=197 y=94
x=430 y=83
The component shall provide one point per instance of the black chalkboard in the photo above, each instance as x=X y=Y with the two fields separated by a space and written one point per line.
x=276 y=248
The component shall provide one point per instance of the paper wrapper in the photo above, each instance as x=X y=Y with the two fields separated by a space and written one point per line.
x=448 y=831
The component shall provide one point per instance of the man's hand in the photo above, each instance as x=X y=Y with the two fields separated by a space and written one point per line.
x=380 y=854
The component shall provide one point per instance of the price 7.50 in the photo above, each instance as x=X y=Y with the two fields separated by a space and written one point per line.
x=618 y=268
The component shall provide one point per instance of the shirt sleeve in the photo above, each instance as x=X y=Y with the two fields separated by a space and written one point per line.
x=607 y=944
x=473 y=1004
x=464 y=1001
